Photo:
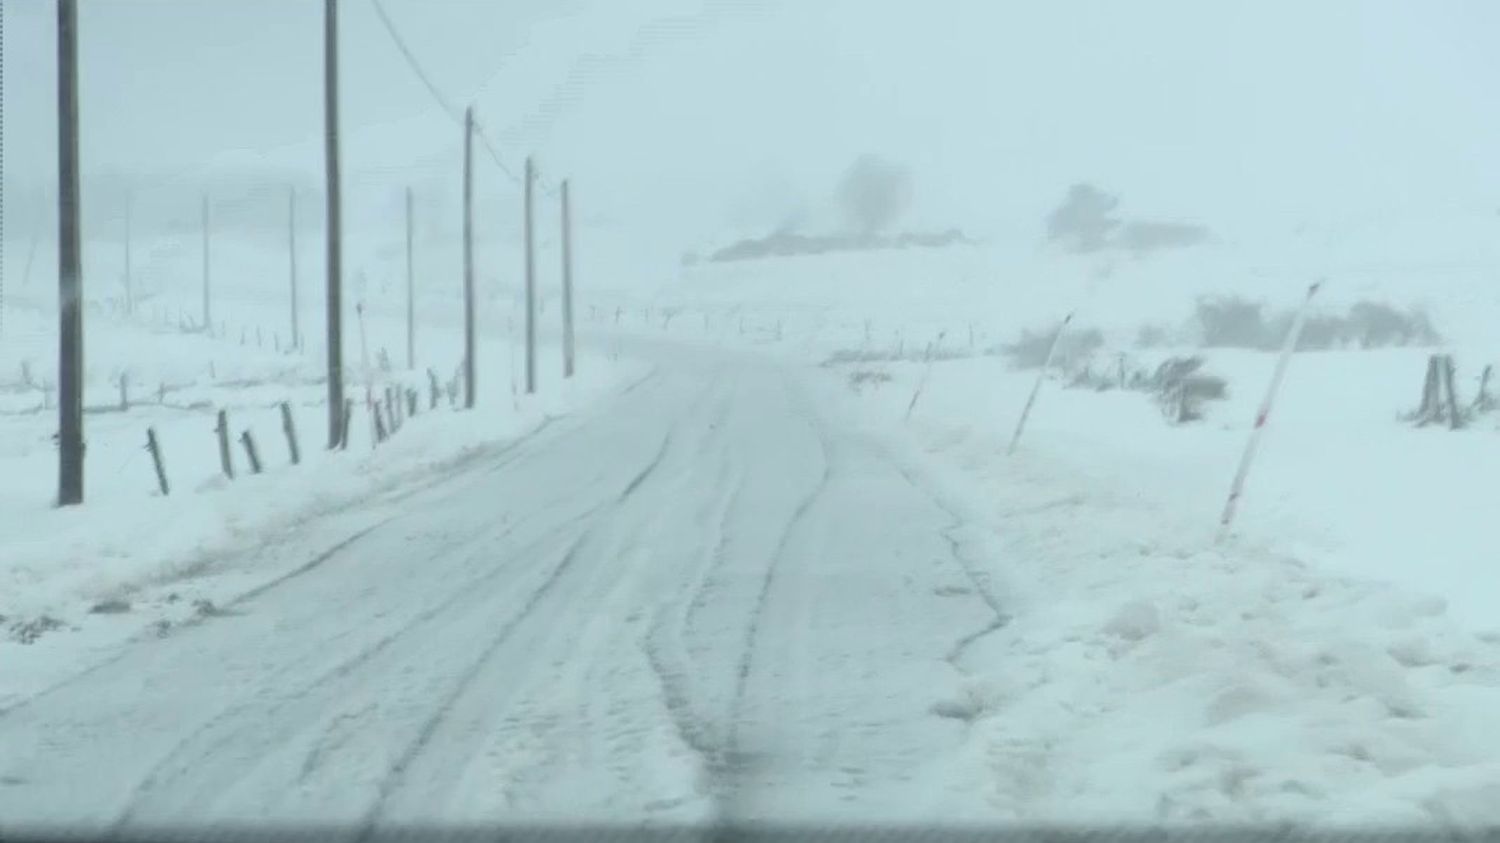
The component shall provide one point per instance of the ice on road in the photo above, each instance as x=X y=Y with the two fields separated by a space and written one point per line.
x=707 y=599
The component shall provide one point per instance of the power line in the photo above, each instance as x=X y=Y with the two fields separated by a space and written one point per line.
x=453 y=113
x=411 y=59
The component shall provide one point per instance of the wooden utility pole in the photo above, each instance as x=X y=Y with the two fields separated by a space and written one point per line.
x=567 y=282
x=207 y=310
x=469 y=257
x=530 y=279
x=411 y=297
x=291 y=250
x=335 y=230
x=70 y=265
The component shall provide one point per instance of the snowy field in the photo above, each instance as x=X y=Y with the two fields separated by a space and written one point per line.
x=1333 y=661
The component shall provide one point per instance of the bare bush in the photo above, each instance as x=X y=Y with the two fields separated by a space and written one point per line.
x=1152 y=336
x=1082 y=223
x=1182 y=389
x=1234 y=322
x=1030 y=351
x=1378 y=325
x=1231 y=322
x=1144 y=236
x=860 y=378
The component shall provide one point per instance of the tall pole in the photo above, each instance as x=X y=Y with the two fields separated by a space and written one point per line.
x=208 y=322
x=469 y=257
x=530 y=281
x=291 y=250
x=567 y=281
x=411 y=296
x=335 y=229
x=69 y=264
x=129 y=281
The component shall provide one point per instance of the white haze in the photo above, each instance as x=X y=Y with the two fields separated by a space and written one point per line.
x=690 y=122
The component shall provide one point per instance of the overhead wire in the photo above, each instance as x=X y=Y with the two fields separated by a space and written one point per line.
x=445 y=105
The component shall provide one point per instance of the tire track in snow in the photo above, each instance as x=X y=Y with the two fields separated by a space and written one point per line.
x=728 y=775
x=599 y=519
x=172 y=767
x=671 y=670
x=440 y=475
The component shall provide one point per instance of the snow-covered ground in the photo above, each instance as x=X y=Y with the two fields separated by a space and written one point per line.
x=1050 y=635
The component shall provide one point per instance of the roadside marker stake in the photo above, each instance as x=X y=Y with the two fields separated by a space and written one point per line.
x=1264 y=413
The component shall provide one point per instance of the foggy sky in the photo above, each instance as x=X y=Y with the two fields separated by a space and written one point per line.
x=747 y=112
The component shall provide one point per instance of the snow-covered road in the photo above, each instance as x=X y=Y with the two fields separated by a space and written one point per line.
x=707 y=599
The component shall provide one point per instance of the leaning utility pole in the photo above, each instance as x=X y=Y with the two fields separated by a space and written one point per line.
x=335 y=264
x=567 y=282
x=530 y=281
x=469 y=257
x=69 y=264
x=411 y=318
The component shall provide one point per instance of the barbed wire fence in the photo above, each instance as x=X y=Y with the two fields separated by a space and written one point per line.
x=229 y=215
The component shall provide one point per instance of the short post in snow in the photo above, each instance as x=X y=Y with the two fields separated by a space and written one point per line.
x=154 y=446
x=411 y=402
x=926 y=372
x=380 y=433
x=1237 y=488
x=289 y=426
x=1455 y=420
x=436 y=390
x=124 y=391
x=344 y=424
x=390 y=410
x=226 y=457
x=530 y=253
x=1037 y=387
x=250 y=453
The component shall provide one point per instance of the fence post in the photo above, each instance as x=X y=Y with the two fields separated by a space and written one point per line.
x=154 y=446
x=390 y=410
x=432 y=382
x=124 y=391
x=469 y=348
x=1454 y=420
x=411 y=402
x=344 y=424
x=290 y=427
x=250 y=452
x=226 y=458
x=1428 y=411
x=379 y=424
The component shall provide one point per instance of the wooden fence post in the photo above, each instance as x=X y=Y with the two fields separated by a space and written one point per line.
x=432 y=383
x=380 y=433
x=344 y=424
x=226 y=458
x=154 y=446
x=250 y=452
x=1455 y=421
x=290 y=427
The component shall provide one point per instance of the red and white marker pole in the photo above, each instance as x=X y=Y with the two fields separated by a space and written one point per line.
x=1037 y=387
x=1236 y=490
